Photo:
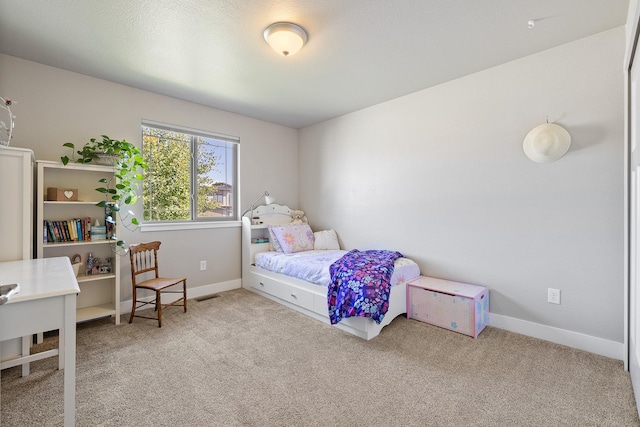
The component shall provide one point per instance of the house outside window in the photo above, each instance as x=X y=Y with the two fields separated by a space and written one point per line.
x=192 y=174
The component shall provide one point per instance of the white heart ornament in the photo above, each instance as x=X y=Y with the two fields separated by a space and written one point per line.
x=68 y=194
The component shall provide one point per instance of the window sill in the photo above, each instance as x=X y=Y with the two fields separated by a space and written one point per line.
x=195 y=225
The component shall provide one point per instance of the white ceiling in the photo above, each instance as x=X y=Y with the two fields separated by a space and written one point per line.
x=359 y=53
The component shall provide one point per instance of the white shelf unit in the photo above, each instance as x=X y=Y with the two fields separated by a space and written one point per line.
x=250 y=249
x=266 y=215
x=99 y=293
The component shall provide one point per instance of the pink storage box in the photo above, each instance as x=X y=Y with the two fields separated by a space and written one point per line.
x=456 y=306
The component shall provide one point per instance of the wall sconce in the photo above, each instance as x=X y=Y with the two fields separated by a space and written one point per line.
x=267 y=199
x=546 y=143
x=285 y=38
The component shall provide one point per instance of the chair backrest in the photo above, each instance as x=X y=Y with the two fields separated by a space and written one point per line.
x=144 y=259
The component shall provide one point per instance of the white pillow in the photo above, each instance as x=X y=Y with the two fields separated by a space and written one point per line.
x=326 y=239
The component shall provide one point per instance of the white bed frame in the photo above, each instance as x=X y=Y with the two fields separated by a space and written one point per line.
x=297 y=294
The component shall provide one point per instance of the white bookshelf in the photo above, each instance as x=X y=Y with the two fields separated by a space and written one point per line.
x=99 y=293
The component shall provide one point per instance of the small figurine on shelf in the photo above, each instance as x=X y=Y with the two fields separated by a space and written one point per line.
x=105 y=266
x=109 y=221
x=91 y=264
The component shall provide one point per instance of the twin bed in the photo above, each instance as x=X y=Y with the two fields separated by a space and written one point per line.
x=298 y=276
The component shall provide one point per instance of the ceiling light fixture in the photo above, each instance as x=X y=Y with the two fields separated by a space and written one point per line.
x=285 y=38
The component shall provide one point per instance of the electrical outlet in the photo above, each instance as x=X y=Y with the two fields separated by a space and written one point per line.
x=553 y=296
x=203 y=265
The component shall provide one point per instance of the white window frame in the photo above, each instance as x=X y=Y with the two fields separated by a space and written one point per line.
x=195 y=222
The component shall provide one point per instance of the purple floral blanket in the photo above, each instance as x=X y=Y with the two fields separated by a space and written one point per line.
x=360 y=285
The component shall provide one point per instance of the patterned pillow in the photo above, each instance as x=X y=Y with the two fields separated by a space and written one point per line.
x=275 y=245
x=294 y=237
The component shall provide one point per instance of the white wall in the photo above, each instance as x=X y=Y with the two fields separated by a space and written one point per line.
x=54 y=106
x=440 y=175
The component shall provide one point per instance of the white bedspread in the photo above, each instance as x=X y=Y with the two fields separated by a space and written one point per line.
x=313 y=266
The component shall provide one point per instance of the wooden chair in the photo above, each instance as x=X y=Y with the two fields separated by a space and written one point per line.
x=144 y=259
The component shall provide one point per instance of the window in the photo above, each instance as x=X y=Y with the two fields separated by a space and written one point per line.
x=192 y=175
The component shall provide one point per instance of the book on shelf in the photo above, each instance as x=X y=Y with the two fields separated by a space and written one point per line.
x=67 y=230
x=56 y=236
x=86 y=227
x=72 y=230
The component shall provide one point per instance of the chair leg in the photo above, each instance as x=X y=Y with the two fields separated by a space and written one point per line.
x=133 y=309
x=159 y=308
x=184 y=294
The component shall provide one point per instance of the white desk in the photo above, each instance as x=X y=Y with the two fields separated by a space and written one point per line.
x=47 y=301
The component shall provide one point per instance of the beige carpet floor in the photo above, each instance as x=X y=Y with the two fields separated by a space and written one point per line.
x=243 y=360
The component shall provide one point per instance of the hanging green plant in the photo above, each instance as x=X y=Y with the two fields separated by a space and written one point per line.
x=127 y=161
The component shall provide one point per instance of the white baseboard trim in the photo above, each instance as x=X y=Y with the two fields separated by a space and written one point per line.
x=607 y=348
x=196 y=292
x=612 y=349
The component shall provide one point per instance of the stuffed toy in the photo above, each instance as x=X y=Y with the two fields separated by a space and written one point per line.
x=298 y=217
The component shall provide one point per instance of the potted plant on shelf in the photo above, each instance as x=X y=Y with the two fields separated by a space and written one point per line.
x=127 y=161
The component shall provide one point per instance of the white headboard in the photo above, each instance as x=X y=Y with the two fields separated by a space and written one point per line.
x=272 y=214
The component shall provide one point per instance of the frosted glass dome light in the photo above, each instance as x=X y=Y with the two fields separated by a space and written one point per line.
x=285 y=38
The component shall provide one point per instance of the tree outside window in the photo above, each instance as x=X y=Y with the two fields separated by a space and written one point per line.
x=191 y=175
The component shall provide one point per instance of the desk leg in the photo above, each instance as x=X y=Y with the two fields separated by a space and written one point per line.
x=26 y=351
x=69 y=334
x=0 y=387
x=61 y=348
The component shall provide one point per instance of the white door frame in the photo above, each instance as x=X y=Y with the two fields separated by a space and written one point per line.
x=632 y=201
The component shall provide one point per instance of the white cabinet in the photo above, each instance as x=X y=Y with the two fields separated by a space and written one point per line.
x=17 y=173
x=16 y=195
x=100 y=291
